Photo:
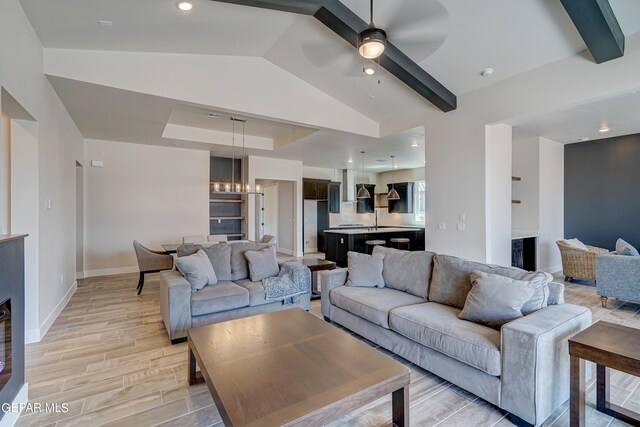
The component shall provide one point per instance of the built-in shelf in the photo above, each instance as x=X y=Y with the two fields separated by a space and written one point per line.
x=225 y=218
x=516 y=202
x=380 y=194
x=225 y=201
x=516 y=178
x=381 y=207
x=234 y=234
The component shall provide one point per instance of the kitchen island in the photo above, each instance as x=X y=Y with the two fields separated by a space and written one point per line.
x=339 y=242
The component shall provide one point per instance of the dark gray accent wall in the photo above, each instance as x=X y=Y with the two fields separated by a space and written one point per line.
x=12 y=286
x=602 y=191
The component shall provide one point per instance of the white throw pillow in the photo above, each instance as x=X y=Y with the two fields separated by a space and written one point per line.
x=197 y=269
x=365 y=270
x=575 y=243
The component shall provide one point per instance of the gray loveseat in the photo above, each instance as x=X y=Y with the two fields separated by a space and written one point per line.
x=233 y=297
x=618 y=276
x=522 y=368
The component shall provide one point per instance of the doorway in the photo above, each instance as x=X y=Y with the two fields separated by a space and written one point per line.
x=79 y=220
x=279 y=213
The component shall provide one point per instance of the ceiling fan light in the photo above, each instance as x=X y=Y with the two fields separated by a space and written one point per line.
x=372 y=42
x=363 y=193
x=393 y=194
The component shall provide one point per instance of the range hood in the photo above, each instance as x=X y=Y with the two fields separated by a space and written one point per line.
x=348 y=185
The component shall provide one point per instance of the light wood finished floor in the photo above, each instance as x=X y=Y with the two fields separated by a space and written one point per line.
x=109 y=358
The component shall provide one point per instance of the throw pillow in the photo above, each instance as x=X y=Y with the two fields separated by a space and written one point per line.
x=220 y=257
x=262 y=263
x=365 y=270
x=575 y=243
x=197 y=270
x=406 y=271
x=625 y=248
x=495 y=300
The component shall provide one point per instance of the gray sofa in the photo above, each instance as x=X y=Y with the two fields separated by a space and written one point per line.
x=618 y=276
x=522 y=368
x=233 y=297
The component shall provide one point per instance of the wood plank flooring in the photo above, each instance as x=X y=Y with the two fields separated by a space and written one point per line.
x=108 y=357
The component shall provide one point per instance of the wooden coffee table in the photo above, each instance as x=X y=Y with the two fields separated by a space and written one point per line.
x=609 y=346
x=290 y=367
x=315 y=265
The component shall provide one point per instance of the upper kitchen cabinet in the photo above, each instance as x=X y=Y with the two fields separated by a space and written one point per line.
x=315 y=189
x=366 y=205
x=405 y=204
x=334 y=197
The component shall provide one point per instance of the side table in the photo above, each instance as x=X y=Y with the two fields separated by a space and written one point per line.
x=315 y=265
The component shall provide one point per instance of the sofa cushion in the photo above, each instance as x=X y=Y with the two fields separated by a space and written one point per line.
x=450 y=281
x=256 y=291
x=437 y=326
x=626 y=248
x=372 y=304
x=407 y=271
x=222 y=296
x=365 y=270
x=197 y=270
x=495 y=300
x=239 y=264
x=262 y=263
x=219 y=254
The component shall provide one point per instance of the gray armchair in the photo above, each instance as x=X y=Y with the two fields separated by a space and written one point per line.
x=618 y=276
x=150 y=261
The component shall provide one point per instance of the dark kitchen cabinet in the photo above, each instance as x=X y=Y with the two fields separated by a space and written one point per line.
x=315 y=189
x=405 y=204
x=334 y=197
x=366 y=205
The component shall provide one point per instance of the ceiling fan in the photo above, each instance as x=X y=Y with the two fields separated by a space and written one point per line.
x=418 y=28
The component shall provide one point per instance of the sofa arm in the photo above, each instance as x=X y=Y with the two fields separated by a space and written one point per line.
x=535 y=360
x=175 y=303
x=328 y=280
x=618 y=276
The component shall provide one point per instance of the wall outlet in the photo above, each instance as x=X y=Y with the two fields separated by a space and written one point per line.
x=442 y=226
x=61 y=278
x=49 y=204
x=462 y=226
x=307 y=242
x=462 y=217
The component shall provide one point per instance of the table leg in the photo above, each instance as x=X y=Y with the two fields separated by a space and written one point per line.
x=602 y=388
x=194 y=377
x=577 y=399
x=400 y=407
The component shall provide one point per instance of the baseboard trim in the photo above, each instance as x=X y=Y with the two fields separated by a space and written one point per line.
x=285 y=251
x=35 y=335
x=553 y=269
x=10 y=418
x=79 y=275
x=111 y=271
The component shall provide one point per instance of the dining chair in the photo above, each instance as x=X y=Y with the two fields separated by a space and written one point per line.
x=194 y=239
x=217 y=238
x=267 y=238
x=150 y=261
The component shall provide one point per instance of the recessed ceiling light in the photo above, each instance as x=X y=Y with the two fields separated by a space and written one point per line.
x=415 y=144
x=104 y=23
x=369 y=71
x=486 y=72
x=604 y=129
x=213 y=115
x=184 y=5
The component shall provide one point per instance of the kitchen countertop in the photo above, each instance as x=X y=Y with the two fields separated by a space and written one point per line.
x=371 y=231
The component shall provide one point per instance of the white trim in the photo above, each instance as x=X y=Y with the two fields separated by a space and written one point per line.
x=310 y=250
x=285 y=251
x=10 y=418
x=35 y=335
x=111 y=271
x=79 y=275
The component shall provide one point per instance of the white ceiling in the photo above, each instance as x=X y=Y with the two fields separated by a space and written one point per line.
x=621 y=113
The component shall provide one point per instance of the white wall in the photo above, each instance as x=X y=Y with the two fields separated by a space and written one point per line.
x=551 y=204
x=263 y=168
x=286 y=217
x=312 y=172
x=526 y=165
x=147 y=193
x=59 y=146
x=498 y=195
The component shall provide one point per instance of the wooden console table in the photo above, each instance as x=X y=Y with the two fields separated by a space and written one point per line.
x=609 y=346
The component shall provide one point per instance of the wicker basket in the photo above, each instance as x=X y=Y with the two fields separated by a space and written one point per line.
x=579 y=263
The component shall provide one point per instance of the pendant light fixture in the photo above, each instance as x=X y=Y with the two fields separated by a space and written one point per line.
x=363 y=193
x=372 y=41
x=393 y=194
